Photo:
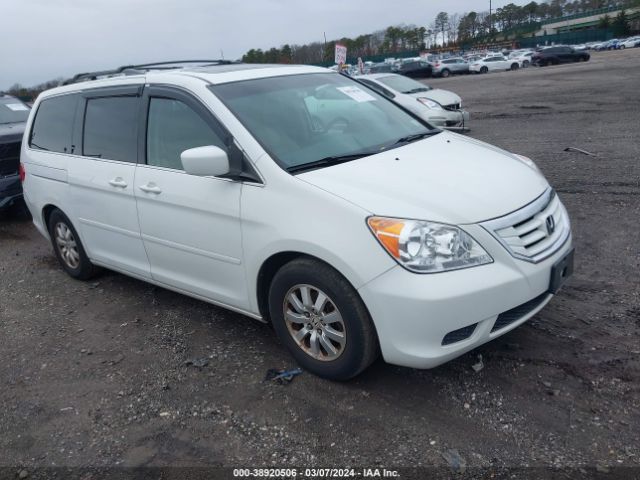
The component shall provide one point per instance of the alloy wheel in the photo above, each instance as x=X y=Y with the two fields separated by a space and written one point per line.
x=314 y=322
x=67 y=245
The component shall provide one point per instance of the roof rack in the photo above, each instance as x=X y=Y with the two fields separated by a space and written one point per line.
x=142 y=68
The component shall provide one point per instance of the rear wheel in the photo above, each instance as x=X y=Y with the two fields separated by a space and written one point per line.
x=321 y=320
x=525 y=64
x=68 y=248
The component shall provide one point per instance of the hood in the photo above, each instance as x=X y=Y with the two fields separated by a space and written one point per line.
x=446 y=178
x=11 y=132
x=443 y=97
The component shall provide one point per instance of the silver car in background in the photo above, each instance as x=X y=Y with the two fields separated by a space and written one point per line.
x=449 y=66
x=440 y=108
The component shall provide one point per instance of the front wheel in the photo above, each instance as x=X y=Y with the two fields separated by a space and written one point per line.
x=515 y=66
x=68 y=248
x=622 y=47
x=484 y=70
x=321 y=320
x=445 y=73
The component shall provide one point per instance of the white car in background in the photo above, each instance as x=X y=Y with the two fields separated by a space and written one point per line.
x=494 y=63
x=440 y=108
x=630 y=43
x=523 y=57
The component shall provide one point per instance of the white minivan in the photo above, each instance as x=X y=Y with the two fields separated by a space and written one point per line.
x=297 y=196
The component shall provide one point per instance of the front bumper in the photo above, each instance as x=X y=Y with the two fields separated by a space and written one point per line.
x=416 y=316
x=456 y=120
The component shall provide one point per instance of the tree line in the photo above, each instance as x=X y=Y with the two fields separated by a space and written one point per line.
x=444 y=30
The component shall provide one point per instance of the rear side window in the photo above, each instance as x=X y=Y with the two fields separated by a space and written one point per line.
x=53 y=125
x=111 y=128
x=172 y=128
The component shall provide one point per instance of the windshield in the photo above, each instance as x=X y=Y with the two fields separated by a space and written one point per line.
x=311 y=118
x=404 y=84
x=13 y=111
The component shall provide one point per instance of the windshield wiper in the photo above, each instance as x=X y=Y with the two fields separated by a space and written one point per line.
x=327 y=161
x=417 y=136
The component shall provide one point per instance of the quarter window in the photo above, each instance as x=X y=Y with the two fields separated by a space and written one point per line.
x=172 y=128
x=53 y=125
x=110 y=128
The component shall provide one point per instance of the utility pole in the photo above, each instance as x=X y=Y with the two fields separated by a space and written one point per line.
x=490 y=19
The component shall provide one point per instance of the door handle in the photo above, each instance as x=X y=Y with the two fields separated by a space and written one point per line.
x=118 y=182
x=150 y=188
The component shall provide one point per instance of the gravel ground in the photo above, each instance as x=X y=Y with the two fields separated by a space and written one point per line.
x=96 y=374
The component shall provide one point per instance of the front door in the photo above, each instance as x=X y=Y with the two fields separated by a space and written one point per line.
x=190 y=225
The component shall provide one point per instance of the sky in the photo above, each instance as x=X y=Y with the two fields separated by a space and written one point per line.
x=46 y=39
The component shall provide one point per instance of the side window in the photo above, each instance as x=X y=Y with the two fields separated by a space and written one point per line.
x=172 y=128
x=53 y=125
x=110 y=128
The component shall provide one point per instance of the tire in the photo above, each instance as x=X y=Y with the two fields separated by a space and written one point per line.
x=68 y=247
x=484 y=70
x=342 y=315
x=622 y=47
x=525 y=64
x=515 y=66
x=445 y=73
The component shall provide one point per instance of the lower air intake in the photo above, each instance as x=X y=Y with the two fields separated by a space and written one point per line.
x=515 y=314
x=459 y=335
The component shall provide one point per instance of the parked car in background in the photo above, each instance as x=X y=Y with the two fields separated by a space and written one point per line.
x=493 y=63
x=416 y=69
x=381 y=68
x=440 y=108
x=13 y=117
x=556 y=55
x=631 y=42
x=612 y=44
x=522 y=57
x=449 y=66
x=374 y=233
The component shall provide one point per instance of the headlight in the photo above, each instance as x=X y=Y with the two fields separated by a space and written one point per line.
x=427 y=247
x=527 y=161
x=430 y=103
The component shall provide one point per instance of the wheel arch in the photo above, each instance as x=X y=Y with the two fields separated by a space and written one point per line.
x=270 y=267
x=47 y=210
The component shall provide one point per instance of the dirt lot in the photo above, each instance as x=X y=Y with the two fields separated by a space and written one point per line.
x=95 y=374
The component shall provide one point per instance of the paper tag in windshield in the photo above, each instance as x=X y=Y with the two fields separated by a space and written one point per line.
x=357 y=94
x=16 y=106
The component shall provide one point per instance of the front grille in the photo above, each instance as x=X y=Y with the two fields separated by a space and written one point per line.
x=515 y=314
x=459 y=334
x=534 y=232
x=453 y=107
x=9 y=158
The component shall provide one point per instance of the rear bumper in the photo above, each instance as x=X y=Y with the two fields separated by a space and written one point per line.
x=10 y=191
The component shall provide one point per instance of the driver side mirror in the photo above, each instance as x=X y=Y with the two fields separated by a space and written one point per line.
x=209 y=161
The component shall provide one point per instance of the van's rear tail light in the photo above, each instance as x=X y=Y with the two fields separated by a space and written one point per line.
x=21 y=172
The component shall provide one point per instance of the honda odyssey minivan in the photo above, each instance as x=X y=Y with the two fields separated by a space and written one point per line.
x=300 y=197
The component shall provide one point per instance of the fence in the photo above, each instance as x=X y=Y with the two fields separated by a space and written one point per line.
x=568 y=38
